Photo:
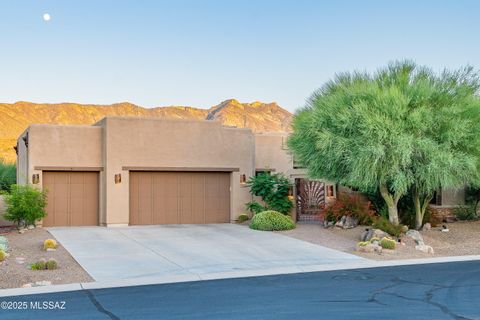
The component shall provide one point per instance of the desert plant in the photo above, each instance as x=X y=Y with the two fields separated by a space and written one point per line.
x=350 y=205
x=39 y=265
x=467 y=212
x=388 y=227
x=51 y=264
x=25 y=204
x=387 y=243
x=8 y=175
x=273 y=189
x=49 y=244
x=3 y=255
x=373 y=239
x=363 y=243
x=271 y=221
x=242 y=218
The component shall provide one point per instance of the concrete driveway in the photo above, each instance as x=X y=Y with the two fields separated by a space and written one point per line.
x=152 y=251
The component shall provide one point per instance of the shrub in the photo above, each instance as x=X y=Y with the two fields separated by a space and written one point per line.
x=242 y=218
x=271 y=221
x=386 y=226
x=3 y=255
x=350 y=205
x=387 y=243
x=49 y=244
x=8 y=175
x=25 y=204
x=51 y=264
x=39 y=265
x=273 y=189
x=466 y=212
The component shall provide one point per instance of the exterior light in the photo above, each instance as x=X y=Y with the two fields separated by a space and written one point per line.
x=35 y=178
x=118 y=178
x=243 y=179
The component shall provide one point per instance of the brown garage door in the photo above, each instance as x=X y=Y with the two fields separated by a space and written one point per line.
x=179 y=197
x=72 y=198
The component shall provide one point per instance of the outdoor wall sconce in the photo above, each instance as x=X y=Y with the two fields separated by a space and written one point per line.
x=35 y=178
x=243 y=179
x=330 y=191
x=118 y=178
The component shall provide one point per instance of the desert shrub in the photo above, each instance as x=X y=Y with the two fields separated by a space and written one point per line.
x=25 y=204
x=49 y=244
x=273 y=189
x=3 y=255
x=51 y=264
x=271 y=221
x=8 y=175
x=467 y=212
x=387 y=243
x=350 y=205
x=242 y=218
x=39 y=265
x=386 y=226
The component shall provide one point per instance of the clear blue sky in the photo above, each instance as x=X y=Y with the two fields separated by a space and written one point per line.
x=179 y=52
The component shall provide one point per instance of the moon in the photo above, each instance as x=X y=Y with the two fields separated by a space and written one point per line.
x=46 y=17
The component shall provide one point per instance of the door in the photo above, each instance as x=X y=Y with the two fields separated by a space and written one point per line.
x=310 y=198
x=72 y=198
x=179 y=197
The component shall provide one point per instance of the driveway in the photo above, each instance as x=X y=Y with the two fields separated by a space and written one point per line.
x=171 y=250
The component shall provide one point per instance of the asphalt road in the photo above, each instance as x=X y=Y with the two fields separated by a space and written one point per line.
x=429 y=291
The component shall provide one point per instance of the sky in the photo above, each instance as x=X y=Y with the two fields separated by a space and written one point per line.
x=201 y=52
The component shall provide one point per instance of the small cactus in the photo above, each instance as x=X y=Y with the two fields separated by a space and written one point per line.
x=52 y=264
x=3 y=255
x=49 y=244
x=242 y=218
x=363 y=243
x=374 y=239
x=388 y=243
x=39 y=265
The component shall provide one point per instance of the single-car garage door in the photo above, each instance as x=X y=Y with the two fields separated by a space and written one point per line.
x=72 y=198
x=179 y=197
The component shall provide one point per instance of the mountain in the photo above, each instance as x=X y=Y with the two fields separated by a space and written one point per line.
x=16 y=117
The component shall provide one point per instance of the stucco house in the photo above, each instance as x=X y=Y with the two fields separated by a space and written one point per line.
x=140 y=171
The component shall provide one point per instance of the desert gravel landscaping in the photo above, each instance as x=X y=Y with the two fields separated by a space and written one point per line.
x=463 y=238
x=29 y=245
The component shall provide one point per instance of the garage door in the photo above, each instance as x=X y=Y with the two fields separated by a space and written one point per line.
x=179 y=197
x=72 y=198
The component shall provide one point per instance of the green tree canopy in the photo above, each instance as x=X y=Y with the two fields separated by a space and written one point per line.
x=385 y=131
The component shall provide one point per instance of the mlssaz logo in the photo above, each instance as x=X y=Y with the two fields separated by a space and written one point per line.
x=47 y=305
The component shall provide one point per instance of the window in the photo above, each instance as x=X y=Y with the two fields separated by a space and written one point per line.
x=297 y=164
x=437 y=198
x=243 y=179
x=330 y=191
x=262 y=171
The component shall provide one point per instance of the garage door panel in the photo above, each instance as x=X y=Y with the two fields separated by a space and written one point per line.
x=70 y=200
x=180 y=197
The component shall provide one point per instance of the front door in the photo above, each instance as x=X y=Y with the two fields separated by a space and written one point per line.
x=310 y=199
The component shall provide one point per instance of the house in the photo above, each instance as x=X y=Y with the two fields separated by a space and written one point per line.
x=141 y=171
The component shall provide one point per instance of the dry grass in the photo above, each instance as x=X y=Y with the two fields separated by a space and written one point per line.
x=29 y=245
x=462 y=239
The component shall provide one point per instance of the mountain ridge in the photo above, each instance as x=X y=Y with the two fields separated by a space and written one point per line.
x=16 y=117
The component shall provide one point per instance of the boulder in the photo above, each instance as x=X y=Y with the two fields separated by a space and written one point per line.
x=424 y=248
x=3 y=243
x=369 y=248
x=370 y=233
x=415 y=235
x=350 y=222
x=340 y=223
x=328 y=224
x=427 y=227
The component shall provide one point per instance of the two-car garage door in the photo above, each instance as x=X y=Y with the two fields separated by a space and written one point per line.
x=179 y=197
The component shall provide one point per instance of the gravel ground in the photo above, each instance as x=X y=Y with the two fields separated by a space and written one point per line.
x=462 y=239
x=29 y=245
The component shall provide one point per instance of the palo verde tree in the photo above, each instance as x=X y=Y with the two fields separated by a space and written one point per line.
x=399 y=129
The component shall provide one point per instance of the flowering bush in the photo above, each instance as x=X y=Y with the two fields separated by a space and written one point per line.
x=351 y=206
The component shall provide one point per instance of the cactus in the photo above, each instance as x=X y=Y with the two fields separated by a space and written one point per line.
x=52 y=264
x=49 y=244
x=374 y=239
x=363 y=243
x=242 y=218
x=388 y=243
x=3 y=255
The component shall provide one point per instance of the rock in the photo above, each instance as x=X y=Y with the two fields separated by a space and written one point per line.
x=51 y=249
x=415 y=235
x=350 y=222
x=340 y=223
x=20 y=260
x=424 y=248
x=449 y=219
x=369 y=248
x=43 y=283
x=30 y=227
x=21 y=231
x=3 y=243
x=328 y=224
x=27 y=285
x=404 y=228
x=371 y=233
x=427 y=227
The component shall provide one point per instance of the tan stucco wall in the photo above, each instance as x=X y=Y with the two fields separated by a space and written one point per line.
x=137 y=142
x=453 y=197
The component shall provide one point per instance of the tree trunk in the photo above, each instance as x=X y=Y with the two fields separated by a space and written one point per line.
x=391 y=202
x=420 y=203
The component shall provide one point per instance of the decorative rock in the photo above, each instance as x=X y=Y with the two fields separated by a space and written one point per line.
x=340 y=223
x=43 y=283
x=415 y=235
x=51 y=249
x=404 y=228
x=27 y=285
x=350 y=222
x=424 y=248
x=371 y=233
x=20 y=260
x=21 y=231
x=30 y=227
x=3 y=243
x=427 y=227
